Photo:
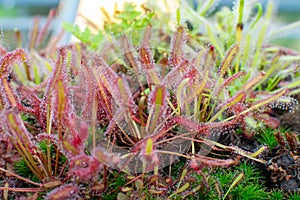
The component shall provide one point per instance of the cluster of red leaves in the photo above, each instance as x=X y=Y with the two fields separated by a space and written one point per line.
x=84 y=94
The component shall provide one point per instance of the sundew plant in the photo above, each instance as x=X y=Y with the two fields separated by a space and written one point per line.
x=137 y=98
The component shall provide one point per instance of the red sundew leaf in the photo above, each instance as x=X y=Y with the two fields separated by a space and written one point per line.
x=57 y=73
x=229 y=80
x=18 y=130
x=46 y=136
x=63 y=192
x=74 y=141
x=83 y=133
x=158 y=96
x=146 y=58
x=147 y=62
x=230 y=55
x=191 y=74
x=43 y=31
x=9 y=97
x=34 y=33
x=105 y=108
x=176 y=75
x=215 y=162
x=140 y=145
x=203 y=127
x=117 y=86
x=18 y=37
x=87 y=90
x=250 y=84
x=148 y=154
x=238 y=108
x=177 y=44
x=85 y=167
x=36 y=104
x=106 y=75
x=271 y=122
x=205 y=60
x=128 y=54
x=61 y=100
x=103 y=94
x=18 y=55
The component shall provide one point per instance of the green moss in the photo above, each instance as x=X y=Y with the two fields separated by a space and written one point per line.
x=267 y=137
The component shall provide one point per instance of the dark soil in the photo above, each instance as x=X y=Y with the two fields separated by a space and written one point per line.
x=282 y=168
x=291 y=120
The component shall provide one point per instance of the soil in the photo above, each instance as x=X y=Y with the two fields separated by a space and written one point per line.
x=291 y=120
x=282 y=168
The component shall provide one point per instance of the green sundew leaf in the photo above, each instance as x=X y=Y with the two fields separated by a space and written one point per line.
x=20 y=74
x=48 y=66
x=149 y=147
x=234 y=183
x=261 y=35
x=246 y=51
x=206 y=7
x=214 y=41
x=273 y=82
x=259 y=151
x=183 y=188
x=178 y=16
x=258 y=15
x=293 y=84
x=184 y=172
x=286 y=30
x=34 y=33
x=290 y=58
x=241 y=11
x=159 y=96
x=37 y=77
